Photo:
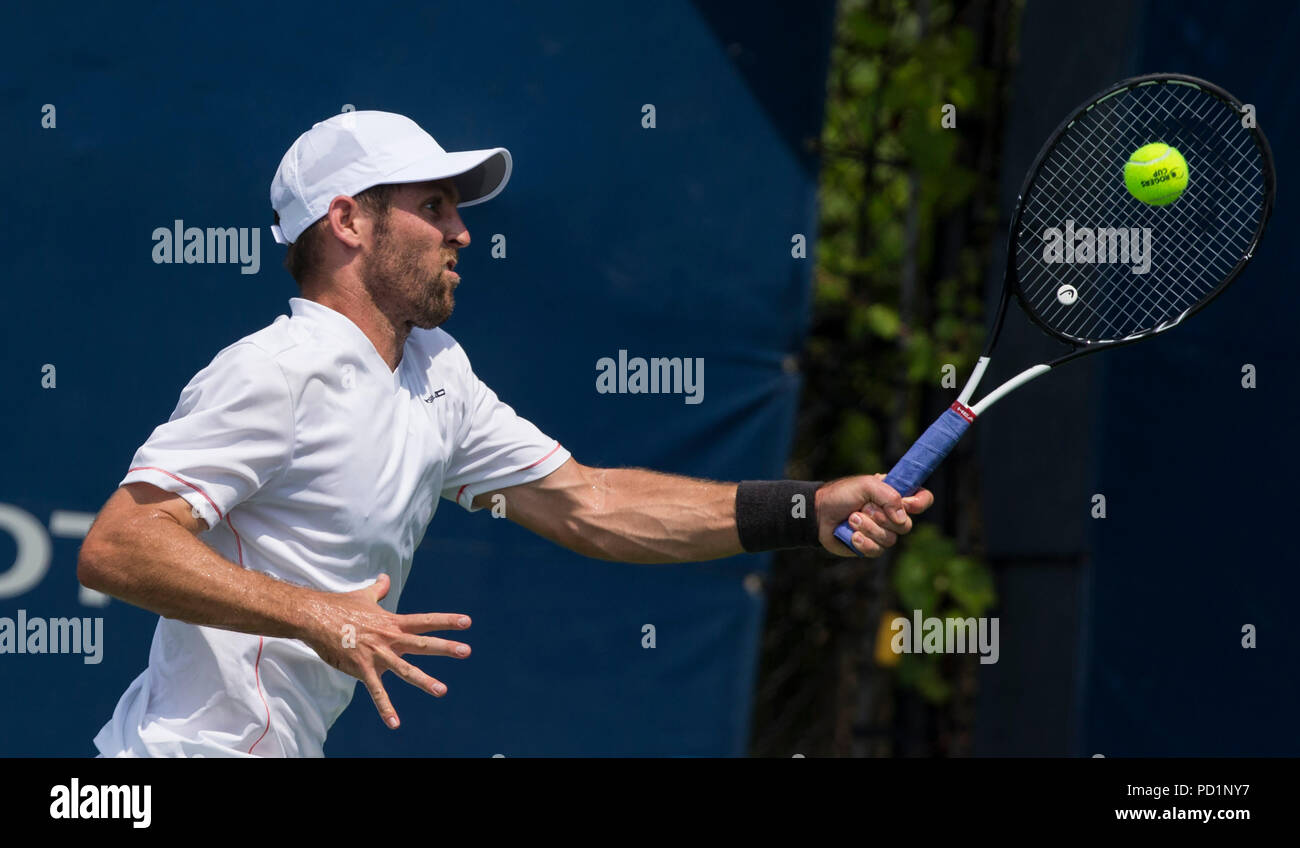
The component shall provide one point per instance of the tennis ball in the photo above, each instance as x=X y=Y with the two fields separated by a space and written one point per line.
x=1156 y=174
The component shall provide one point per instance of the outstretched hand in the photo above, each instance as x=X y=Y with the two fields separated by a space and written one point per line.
x=353 y=633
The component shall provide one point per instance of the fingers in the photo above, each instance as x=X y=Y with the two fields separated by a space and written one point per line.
x=407 y=672
x=881 y=493
x=380 y=697
x=424 y=622
x=414 y=676
x=431 y=646
x=870 y=536
x=380 y=586
x=865 y=546
x=878 y=515
x=919 y=502
x=869 y=528
x=881 y=514
x=385 y=637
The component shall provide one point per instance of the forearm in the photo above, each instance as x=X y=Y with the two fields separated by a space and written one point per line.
x=156 y=564
x=634 y=515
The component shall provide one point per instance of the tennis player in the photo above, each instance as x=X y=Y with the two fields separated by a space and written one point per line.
x=272 y=520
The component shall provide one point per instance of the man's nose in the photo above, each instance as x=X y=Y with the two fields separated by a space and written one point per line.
x=459 y=233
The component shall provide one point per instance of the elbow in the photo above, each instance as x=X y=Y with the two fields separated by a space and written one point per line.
x=89 y=570
x=94 y=562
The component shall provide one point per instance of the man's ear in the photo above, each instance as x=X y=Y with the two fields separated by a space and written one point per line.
x=345 y=220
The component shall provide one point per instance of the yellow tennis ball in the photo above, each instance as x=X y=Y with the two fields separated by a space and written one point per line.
x=1156 y=174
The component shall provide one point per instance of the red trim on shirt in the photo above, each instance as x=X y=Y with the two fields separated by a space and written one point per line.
x=239 y=546
x=257 y=678
x=261 y=641
x=543 y=459
x=184 y=482
x=462 y=489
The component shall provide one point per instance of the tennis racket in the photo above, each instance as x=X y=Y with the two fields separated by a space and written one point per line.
x=1094 y=266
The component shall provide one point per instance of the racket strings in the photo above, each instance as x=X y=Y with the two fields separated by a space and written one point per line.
x=1150 y=303
x=1193 y=244
x=1122 y=297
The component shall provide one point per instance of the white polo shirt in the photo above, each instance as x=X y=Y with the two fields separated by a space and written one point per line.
x=313 y=462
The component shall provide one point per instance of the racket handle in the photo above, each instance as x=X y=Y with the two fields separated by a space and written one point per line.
x=922 y=458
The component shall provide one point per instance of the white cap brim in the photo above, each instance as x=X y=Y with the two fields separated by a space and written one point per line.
x=480 y=175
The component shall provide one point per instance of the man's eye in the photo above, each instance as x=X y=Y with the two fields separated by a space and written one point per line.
x=434 y=204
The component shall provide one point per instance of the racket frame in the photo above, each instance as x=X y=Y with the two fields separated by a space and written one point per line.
x=1083 y=345
x=1011 y=281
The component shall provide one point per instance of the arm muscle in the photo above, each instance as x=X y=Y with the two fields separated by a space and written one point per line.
x=627 y=514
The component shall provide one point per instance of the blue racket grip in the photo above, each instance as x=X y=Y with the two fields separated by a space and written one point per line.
x=921 y=459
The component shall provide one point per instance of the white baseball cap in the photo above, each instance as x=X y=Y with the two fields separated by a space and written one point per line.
x=353 y=151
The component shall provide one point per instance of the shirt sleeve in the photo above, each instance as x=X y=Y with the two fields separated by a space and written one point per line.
x=230 y=434
x=497 y=448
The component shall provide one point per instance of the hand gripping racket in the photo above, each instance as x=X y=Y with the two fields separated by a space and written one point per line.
x=1094 y=266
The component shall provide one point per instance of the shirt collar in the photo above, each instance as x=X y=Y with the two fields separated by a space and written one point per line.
x=340 y=326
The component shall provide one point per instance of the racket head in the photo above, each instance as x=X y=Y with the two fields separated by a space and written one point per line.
x=1196 y=246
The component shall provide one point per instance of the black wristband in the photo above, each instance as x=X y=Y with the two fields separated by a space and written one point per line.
x=774 y=514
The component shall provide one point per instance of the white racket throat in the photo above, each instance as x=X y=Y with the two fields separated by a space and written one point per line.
x=963 y=400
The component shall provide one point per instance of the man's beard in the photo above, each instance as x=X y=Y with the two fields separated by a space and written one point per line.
x=404 y=284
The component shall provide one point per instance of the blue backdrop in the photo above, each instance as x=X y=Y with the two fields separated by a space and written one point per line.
x=1123 y=635
x=670 y=241
x=1199 y=470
